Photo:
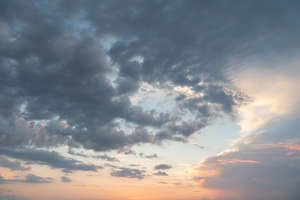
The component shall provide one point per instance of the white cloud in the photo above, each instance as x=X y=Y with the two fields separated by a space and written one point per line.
x=273 y=92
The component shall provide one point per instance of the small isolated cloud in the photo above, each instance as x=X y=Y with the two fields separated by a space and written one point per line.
x=160 y=173
x=128 y=173
x=107 y=158
x=162 y=167
x=65 y=179
x=150 y=156
x=127 y=151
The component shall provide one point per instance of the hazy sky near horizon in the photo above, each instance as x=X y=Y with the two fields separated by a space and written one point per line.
x=149 y=100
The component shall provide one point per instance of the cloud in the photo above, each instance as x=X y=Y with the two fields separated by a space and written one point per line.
x=262 y=83
x=163 y=167
x=128 y=173
x=259 y=166
x=12 y=165
x=107 y=158
x=11 y=197
x=50 y=158
x=65 y=179
x=160 y=173
x=150 y=156
x=263 y=163
x=29 y=178
x=64 y=83
x=85 y=66
x=102 y=157
x=49 y=55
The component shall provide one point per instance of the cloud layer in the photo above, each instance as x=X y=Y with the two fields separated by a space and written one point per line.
x=113 y=75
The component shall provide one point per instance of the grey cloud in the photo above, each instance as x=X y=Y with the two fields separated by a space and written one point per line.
x=12 y=165
x=107 y=158
x=12 y=197
x=160 y=173
x=102 y=157
x=150 y=156
x=62 y=72
x=134 y=165
x=261 y=169
x=65 y=179
x=163 y=167
x=71 y=152
x=111 y=166
x=127 y=152
x=18 y=132
x=50 y=158
x=55 y=71
x=30 y=178
x=128 y=173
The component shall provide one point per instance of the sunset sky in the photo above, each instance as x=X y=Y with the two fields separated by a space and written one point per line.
x=149 y=100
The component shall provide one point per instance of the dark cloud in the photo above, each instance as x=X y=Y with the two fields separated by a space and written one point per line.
x=160 y=173
x=30 y=178
x=50 y=158
x=65 y=179
x=12 y=197
x=107 y=158
x=69 y=69
x=102 y=157
x=128 y=173
x=56 y=72
x=12 y=165
x=163 y=167
x=127 y=151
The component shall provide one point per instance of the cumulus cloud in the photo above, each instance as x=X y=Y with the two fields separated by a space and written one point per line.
x=79 y=87
x=70 y=69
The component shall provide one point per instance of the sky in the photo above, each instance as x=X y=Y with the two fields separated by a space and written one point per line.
x=149 y=100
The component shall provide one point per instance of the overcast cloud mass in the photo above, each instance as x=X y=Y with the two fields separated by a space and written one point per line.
x=117 y=96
